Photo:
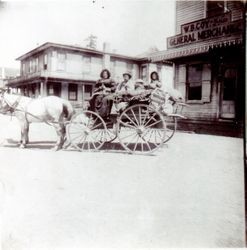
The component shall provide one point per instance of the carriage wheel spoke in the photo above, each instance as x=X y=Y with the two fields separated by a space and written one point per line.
x=128 y=135
x=148 y=146
x=96 y=126
x=140 y=116
x=84 y=142
x=144 y=118
x=147 y=143
x=130 y=119
x=151 y=118
x=153 y=124
x=141 y=146
x=127 y=125
x=130 y=141
x=137 y=122
x=76 y=137
x=136 y=142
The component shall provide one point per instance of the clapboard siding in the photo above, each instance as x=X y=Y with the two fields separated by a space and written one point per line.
x=236 y=8
x=188 y=11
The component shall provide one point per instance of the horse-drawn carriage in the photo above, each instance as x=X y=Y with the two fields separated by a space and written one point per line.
x=148 y=121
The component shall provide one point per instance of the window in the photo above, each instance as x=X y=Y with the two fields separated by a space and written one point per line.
x=215 y=8
x=144 y=73
x=130 y=67
x=73 y=89
x=54 y=88
x=45 y=62
x=112 y=67
x=194 y=82
x=23 y=68
x=50 y=89
x=61 y=61
x=30 y=69
x=35 y=64
x=86 y=64
x=88 y=92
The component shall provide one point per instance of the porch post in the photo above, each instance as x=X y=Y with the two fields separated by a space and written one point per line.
x=43 y=88
x=64 y=90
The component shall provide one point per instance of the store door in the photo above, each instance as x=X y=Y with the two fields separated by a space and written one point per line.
x=228 y=93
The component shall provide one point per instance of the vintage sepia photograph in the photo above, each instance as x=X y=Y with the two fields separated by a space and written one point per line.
x=122 y=124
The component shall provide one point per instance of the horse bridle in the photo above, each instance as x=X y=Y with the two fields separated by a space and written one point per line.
x=10 y=107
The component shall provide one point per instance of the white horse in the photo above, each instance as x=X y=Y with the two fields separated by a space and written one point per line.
x=51 y=109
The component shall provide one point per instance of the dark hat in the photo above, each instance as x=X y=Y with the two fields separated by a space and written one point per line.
x=108 y=72
x=127 y=73
x=154 y=72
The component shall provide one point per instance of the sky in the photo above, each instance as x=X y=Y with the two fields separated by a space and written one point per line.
x=130 y=26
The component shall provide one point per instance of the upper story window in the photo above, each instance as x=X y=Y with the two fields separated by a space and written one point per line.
x=45 y=62
x=23 y=69
x=194 y=82
x=61 y=61
x=215 y=8
x=112 y=67
x=30 y=67
x=86 y=64
x=36 y=64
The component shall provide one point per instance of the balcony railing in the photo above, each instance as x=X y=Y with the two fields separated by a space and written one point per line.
x=55 y=74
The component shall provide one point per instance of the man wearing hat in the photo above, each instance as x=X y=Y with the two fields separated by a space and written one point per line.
x=125 y=87
x=126 y=84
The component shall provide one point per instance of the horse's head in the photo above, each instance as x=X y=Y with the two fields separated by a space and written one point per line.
x=5 y=103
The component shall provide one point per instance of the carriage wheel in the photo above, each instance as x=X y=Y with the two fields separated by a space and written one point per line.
x=171 y=127
x=111 y=133
x=86 y=130
x=143 y=129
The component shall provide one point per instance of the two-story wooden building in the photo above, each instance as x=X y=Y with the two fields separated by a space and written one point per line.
x=208 y=54
x=71 y=71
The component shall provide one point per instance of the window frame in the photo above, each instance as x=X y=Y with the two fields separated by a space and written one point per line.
x=72 y=85
x=87 y=66
x=144 y=77
x=211 y=13
x=189 y=82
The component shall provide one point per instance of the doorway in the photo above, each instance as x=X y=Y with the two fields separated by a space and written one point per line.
x=228 y=94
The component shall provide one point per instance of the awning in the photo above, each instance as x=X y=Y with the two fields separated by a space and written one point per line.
x=190 y=50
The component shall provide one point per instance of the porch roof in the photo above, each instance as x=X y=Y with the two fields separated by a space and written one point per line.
x=195 y=49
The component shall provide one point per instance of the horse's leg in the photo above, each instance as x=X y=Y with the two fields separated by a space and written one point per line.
x=24 y=134
x=60 y=129
x=27 y=133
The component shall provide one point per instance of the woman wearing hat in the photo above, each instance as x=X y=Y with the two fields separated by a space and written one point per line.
x=99 y=101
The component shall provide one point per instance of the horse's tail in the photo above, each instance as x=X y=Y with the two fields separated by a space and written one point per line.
x=68 y=110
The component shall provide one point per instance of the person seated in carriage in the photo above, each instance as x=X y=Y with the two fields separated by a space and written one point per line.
x=123 y=90
x=100 y=103
x=155 y=81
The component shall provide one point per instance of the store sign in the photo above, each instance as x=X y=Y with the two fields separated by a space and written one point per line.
x=204 y=29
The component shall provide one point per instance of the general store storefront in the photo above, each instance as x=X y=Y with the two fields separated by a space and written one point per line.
x=208 y=58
